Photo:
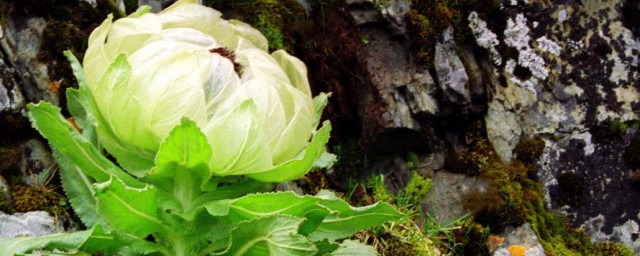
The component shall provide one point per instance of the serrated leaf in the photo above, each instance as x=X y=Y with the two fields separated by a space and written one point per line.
x=182 y=164
x=273 y=235
x=129 y=209
x=78 y=187
x=262 y=205
x=345 y=220
x=47 y=119
x=118 y=243
x=63 y=241
x=353 y=248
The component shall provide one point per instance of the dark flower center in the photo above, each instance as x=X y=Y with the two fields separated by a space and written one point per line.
x=227 y=53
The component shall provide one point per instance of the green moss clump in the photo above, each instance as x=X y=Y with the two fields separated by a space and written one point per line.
x=514 y=198
x=26 y=198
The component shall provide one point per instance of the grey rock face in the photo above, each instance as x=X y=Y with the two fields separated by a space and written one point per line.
x=568 y=85
x=400 y=89
x=20 y=41
x=446 y=198
x=28 y=224
x=11 y=99
x=521 y=236
x=452 y=76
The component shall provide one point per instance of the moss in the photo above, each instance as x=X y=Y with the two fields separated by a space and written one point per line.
x=514 y=198
x=276 y=20
x=26 y=198
x=528 y=151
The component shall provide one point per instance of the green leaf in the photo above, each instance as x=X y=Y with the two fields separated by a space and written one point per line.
x=182 y=164
x=129 y=209
x=296 y=168
x=325 y=247
x=78 y=187
x=262 y=205
x=354 y=248
x=77 y=110
x=273 y=235
x=345 y=220
x=118 y=243
x=47 y=119
x=63 y=241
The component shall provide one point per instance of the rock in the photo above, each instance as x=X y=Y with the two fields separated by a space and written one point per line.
x=393 y=11
x=20 y=43
x=11 y=99
x=569 y=85
x=446 y=198
x=365 y=16
x=38 y=223
x=452 y=77
x=393 y=76
x=419 y=95
x=37 y=162
x=503 y=129
x=516 y=241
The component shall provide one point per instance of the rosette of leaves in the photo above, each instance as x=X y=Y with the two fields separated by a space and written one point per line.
x=195 y=180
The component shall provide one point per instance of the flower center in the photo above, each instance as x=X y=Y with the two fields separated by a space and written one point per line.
x=225 y=52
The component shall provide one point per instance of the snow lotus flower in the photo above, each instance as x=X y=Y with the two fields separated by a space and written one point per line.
x=147 y=72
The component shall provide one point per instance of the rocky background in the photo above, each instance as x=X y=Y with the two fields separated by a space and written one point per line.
x=521 y=112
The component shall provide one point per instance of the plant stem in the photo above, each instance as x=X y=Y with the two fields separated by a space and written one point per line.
x=113 y=4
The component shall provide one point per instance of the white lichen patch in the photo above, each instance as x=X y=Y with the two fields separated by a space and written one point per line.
x=517 y=33
x=517 y=36
x=619 y=72
x=485 y=37
x=546 y=45
x=574 y=90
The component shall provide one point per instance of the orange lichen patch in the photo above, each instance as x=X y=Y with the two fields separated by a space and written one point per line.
x=495 y=241
x=74 y=124
x=516 y=250
x=54 y=86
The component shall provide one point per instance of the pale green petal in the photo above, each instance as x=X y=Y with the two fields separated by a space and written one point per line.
x=127 y=35
x=258 y=64
x=269 y=106
x=251 y=34
x=295 y=70
x=303 y=163
x=189 y=35
x=168 y=93
x=292 y=140
x=95 y=59
x=190 y=15
x=222 y=83
x=238 y=142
